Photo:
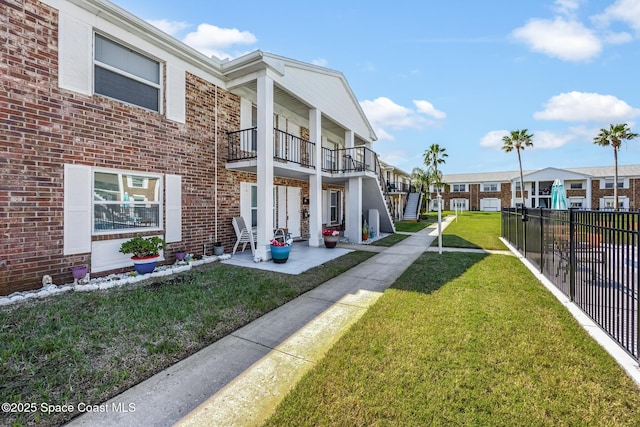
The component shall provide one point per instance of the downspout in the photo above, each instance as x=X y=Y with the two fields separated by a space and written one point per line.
x=215 y=168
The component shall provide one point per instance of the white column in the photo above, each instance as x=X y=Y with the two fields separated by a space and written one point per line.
x=353 y=218
x=589 y=203
x=265 y=166
x=349 y=139
x=315 y=180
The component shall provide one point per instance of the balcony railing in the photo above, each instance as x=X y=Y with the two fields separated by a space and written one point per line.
x=357 y=159
x=243 y=145
x=398 y=187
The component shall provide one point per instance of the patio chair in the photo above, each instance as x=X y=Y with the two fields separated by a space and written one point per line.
x=244 y=235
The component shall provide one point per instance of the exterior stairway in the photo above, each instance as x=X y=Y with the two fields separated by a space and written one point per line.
x=412 y=209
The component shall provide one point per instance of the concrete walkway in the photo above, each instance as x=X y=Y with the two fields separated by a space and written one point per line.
x=241 y=378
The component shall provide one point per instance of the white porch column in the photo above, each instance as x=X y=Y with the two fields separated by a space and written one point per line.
x=349 y=139
x=353 y=219
x=265 y=166
x=589 y=203
x=315 y=180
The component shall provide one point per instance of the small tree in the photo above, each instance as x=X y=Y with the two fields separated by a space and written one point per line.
x=433 y=157
x=518 y=140
x=614 y=137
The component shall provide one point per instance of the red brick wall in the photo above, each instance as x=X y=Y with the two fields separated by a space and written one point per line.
x=633 y=193
x=44 y=127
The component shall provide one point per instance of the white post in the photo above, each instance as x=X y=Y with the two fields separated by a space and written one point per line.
x=439 y=224
x=315 y=180
x=265 y=167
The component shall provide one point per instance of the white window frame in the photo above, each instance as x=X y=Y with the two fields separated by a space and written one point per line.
x=576 y=186
x=576 y=202
x=462 y=204
x=491 y=184
x=607 y=183
x=254 y=208
x=458 y=188
x=133 y=200
x=607 y=202
x=337 y=207
x=128 y=75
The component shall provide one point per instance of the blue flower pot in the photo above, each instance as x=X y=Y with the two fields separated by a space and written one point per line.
x=145 y=265
x=280 y=254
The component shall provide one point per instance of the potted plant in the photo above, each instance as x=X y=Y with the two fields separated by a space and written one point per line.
x=180 y=254
x=330 y=238
x=79 y=272
x=280 y=251
x=218 y=249
x=145 y=250
x=365 y=233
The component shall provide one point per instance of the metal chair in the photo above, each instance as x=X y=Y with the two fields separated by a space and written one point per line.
x=244 y=235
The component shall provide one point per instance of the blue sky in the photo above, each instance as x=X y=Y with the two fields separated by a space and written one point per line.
x=459 y=73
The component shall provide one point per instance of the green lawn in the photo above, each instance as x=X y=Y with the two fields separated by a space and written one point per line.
x=390 y=240
x=88 y=347
x=465 y=339
x=474 y=230
x=411 y=227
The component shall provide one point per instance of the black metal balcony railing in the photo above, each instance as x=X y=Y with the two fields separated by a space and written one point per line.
x=398 y=187
x=592 y=257
x=357 y=159
x=243 y=145
x=289 y=148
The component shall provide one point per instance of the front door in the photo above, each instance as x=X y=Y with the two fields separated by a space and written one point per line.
x=289 y=205
x=294 y=206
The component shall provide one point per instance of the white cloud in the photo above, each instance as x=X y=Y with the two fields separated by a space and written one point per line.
x=210 y=39
x=560 y=38
x=396 y=158
x=427 y=108
x=627 y=11
x=582 y=107
x=567 y=7
x=170 y=27
x=320 y=62
x=546 y=140
x=493 y=139
x=617 y=38
x=383 y=135
x=384 y=113
x=541 y=139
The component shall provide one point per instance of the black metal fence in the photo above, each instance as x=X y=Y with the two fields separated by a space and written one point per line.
x=591 y=256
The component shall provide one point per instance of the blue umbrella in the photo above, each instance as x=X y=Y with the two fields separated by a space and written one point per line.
x=558 y=195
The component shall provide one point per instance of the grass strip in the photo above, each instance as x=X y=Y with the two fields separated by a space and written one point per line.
x=411 y=227
x=464 y=339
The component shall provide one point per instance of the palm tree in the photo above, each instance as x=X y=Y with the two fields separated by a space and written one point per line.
x=614 y=137
x=433 y=157
x=518 y=140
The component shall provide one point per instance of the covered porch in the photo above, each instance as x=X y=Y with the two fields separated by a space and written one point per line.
x=323 y=141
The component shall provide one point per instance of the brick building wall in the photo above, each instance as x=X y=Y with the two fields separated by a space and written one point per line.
x=44 y=127
x=633 y=193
